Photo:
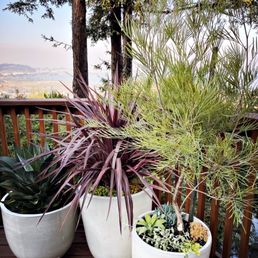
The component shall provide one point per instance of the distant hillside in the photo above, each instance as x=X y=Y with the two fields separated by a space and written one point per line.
x=18 y=72
x=12 y=73
x=16 y=68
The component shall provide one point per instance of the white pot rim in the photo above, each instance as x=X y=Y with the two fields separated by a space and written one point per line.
x=167 y=252
x=37 y=215
x=148 y=191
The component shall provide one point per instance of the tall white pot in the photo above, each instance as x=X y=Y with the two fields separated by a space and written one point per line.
x=102 y=233
x=141 y=249
x=48 y=239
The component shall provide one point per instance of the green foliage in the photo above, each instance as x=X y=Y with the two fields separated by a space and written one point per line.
x=167 y=240
x=148 y=224
x=159 y=230
x=167 y=211
x=28 y=7
x=54 y=95
x=101 y=191
x=190 y=247
x=20 y=177
x=191 y=107
x=98 y=23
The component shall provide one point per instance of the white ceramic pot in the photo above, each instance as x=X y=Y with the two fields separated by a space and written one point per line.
x=48 y=239
x=102 y=233
x=140 y=249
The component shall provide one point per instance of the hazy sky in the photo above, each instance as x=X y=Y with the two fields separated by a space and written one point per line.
x=21 y=41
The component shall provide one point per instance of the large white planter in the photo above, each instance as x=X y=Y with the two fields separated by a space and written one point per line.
x=140 y=249
x=102 y=233
x=50 y=238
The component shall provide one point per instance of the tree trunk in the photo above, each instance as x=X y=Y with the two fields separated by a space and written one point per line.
x=79 y=46
x=116 y=44
x=127 y=42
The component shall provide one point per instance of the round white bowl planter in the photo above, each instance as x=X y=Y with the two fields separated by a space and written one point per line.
x=28 y=238
x=103 y=233
x=140 y=249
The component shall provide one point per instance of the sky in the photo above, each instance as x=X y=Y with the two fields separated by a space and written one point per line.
x=21 y=41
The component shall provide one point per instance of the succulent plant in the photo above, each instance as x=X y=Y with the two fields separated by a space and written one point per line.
x=190 y=247
x=168 y=213
x=103 y=191
x=19 y=176
x=198 y=232
x=160 y=230
x=167 y=239
x=147 y=224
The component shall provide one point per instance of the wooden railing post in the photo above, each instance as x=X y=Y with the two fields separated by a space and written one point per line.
x=41 y=128
x=28 y=125
x=201 y=195
x=247 y=220
x=3 y=134
x=14 y=118
x=228 y=230
x=214 y=221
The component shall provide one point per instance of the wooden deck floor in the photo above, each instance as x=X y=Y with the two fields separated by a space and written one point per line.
x=79 y=248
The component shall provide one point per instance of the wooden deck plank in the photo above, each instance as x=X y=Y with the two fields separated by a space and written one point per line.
x=79 y=248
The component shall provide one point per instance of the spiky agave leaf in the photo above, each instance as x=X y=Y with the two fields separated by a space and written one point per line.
x=20 y=177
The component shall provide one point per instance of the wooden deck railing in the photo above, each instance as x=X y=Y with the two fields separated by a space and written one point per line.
x=207 y=210
x=33 y=111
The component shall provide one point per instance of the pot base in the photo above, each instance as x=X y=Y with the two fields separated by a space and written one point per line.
x=27 y=238
x=102 y=233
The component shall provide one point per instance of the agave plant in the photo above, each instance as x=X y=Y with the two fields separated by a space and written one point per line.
x=93 y=158
x=20 y=177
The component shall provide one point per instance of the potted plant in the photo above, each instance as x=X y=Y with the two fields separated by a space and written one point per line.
x=156 y=235
x=112 y=181
x=28 y=232
x=191 y=147
x=188 y=114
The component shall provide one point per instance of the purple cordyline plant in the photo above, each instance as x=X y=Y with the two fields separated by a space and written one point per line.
x=89 y=157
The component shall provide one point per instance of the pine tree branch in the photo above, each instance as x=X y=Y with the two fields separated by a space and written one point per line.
x=56 y=43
